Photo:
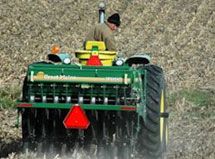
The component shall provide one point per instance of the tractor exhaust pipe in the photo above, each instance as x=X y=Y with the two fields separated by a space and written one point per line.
x=101 y=12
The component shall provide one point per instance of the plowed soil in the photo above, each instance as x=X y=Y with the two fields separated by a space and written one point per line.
x=179 y=36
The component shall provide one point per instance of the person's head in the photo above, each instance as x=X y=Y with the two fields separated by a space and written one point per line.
x=114 y=21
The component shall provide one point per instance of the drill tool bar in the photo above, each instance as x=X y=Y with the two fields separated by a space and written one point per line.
x=75 y=74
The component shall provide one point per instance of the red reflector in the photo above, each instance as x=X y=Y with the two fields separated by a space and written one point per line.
x=128 y=108
x=94 y=61
x=24 y=105
x=76 y=119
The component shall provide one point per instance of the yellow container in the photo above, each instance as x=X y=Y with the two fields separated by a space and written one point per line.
x=82 y=54
x=106 y=57
x=99 y=44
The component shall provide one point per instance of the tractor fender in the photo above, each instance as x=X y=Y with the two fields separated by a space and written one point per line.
x=138 y=59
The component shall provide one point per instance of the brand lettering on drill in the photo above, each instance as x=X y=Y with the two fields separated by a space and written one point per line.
x=61 y=77
x=114 y=79
x=42 y=77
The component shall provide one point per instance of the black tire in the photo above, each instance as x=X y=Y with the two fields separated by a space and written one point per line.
x=25 y=90
x=152 y=135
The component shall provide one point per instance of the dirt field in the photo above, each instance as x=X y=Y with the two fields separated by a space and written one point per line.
x=179 y=35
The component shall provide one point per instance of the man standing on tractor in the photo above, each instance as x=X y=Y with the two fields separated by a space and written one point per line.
x=104 y=32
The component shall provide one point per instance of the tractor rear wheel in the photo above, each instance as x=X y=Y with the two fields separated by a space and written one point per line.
x=153 y=133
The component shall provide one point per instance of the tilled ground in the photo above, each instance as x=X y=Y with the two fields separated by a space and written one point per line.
x=191 y=131
x=191 y=134
x=178 y=34
x=10 y=136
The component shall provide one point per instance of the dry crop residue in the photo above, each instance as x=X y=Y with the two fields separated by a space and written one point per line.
x=179 y=35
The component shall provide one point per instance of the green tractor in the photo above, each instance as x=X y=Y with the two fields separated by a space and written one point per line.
x=117 y=105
